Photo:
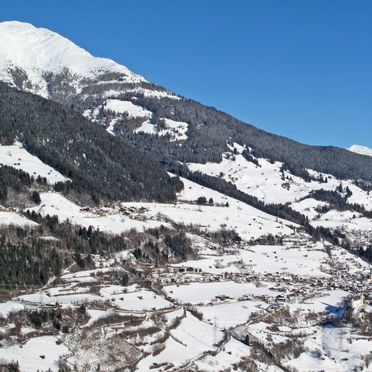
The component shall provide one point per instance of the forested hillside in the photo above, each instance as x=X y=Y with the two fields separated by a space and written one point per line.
x=210 y=129
x=99 y=164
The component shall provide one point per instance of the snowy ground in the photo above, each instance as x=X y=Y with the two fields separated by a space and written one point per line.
x=231 y=353
x=233 y=287
x=18 y=157
x=266 y=181
x=188 y=341
x=126 y=107
x=249 y=222
x=39 y=353
x=55 y=204
x=204 y=293
x=229 y=315
x=285 y=259
x=15 y=219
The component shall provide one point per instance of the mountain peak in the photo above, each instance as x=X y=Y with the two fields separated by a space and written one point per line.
x=36 y=51
x=362 y=150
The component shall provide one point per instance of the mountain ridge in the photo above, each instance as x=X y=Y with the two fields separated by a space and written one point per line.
x=362 y=150
x=39 y=50
x=98 y=164
x=176 y=129
x=251 y=253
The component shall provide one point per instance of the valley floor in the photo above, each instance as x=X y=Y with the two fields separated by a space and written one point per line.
x=256 y=293
x=296 y=306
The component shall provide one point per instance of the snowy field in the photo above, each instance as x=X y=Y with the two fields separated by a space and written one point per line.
x=204 y=293
x=266 y=183
x=176 y=130
x=15 y=219
x=138 y=300
x=29 y=354
x=231 y=314
x=132 y=298
x=231 y=353
x=262 y=259
x=249 y=222
x=342 y=351
x=9 y=307
x=55 y=204
x=126 y=107
x=319 y=303
x=18 y=157
x=188 y=341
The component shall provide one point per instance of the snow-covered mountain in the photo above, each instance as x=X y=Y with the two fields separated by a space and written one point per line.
x=195 y=141
x=256 y=258
x=149 y=116
x=30 y=54
x=359 y=149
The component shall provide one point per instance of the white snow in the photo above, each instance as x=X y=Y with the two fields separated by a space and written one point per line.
x=231 y=314
x=85 y=276
x=9 y=307
x=175 y=129
x=65 y=299
x=147 y=127
x=154 y=93
x=297 y=260
x=231 y=353
x=266 y=182
x=55 y=204
x=96 y=315
x=362 y=150
x=127 y=107
x=38 y=50
x=249 y=222
x=308 y=207
x=308 y=363
x=13 y=218
x=18 y=157
x=361 y=197
x=139 y=300
x=263 y=182
x=342 y=350
x=351 y=221
x=28 y=355
x=189 y=340
x=203 y=293
x=318 y=304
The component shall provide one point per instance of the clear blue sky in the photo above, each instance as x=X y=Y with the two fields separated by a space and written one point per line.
x=301 y=68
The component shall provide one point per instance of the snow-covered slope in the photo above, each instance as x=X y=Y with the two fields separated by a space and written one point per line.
x=208 y=304
x=228 y=281
x=34 y=52
x=249 y=222
x=18 y=157
x=270 y=182
x=45 y=63
x=362 y=150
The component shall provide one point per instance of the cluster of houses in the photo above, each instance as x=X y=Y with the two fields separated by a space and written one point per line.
x=291 y=287
x=133 y=212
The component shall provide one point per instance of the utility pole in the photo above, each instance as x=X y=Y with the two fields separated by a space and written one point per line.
x=215 y=331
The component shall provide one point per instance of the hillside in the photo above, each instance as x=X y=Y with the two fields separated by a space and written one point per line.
x=159 y=123
x=140 y=230
x=98 y=164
